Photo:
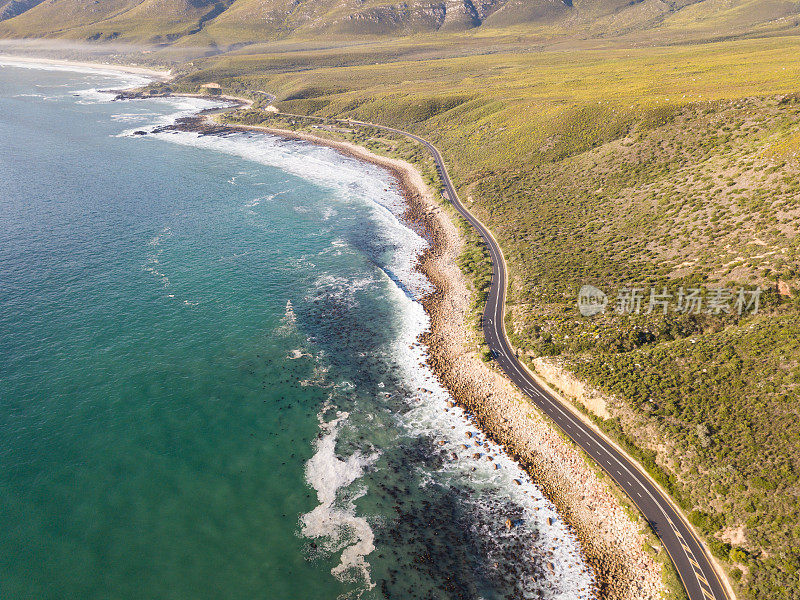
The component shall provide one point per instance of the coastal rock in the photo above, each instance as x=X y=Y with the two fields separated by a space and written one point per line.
x=611 y=542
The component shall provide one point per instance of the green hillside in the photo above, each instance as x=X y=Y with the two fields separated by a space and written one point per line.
x=614 y=142
x=667 y=166
x=224 y=22
x=12 y=8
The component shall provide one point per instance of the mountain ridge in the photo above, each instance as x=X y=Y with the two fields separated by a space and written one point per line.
x=244 y=21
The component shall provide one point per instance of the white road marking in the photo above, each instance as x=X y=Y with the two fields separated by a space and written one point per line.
x=494 y=253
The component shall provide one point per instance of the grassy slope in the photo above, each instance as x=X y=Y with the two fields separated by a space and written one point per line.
x=666 y=165
x=153 y=20
x=212 y=23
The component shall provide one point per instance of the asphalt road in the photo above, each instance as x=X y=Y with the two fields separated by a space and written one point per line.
x=700 y=579
x=688 y=555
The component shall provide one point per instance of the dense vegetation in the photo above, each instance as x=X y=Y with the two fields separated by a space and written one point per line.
x=668 y=168
x=704 y=195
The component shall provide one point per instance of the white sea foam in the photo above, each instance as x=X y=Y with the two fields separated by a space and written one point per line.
x=288 y=324
x=433 y=416
x=137 y=117
x=334 y=522
x=183 y=107
x=153 y=265
x=256 y=201
x=154 y=257
x=122 y=78
x=335 y=519
x=101 y=79
x=93 y=96
x=350 y=181
x=42 y=96
x=342 y=289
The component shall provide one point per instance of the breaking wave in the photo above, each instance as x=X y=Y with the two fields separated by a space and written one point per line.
x=404 y=422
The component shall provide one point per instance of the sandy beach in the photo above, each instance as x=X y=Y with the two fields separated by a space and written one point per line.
x=66 y=64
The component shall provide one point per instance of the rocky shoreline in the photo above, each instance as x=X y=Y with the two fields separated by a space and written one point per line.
x=611 y=540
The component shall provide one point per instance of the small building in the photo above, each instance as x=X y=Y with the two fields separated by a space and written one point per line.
x=212 y=88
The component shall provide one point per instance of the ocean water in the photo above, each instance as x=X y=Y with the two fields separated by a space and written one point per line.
x=210 y=384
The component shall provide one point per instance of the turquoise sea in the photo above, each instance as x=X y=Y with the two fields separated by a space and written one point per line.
x=210 y=385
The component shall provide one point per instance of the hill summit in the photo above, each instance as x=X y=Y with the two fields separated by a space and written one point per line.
x=242 y=21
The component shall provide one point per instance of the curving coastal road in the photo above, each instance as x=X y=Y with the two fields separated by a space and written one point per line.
x=689 y=556
x=691 y=560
